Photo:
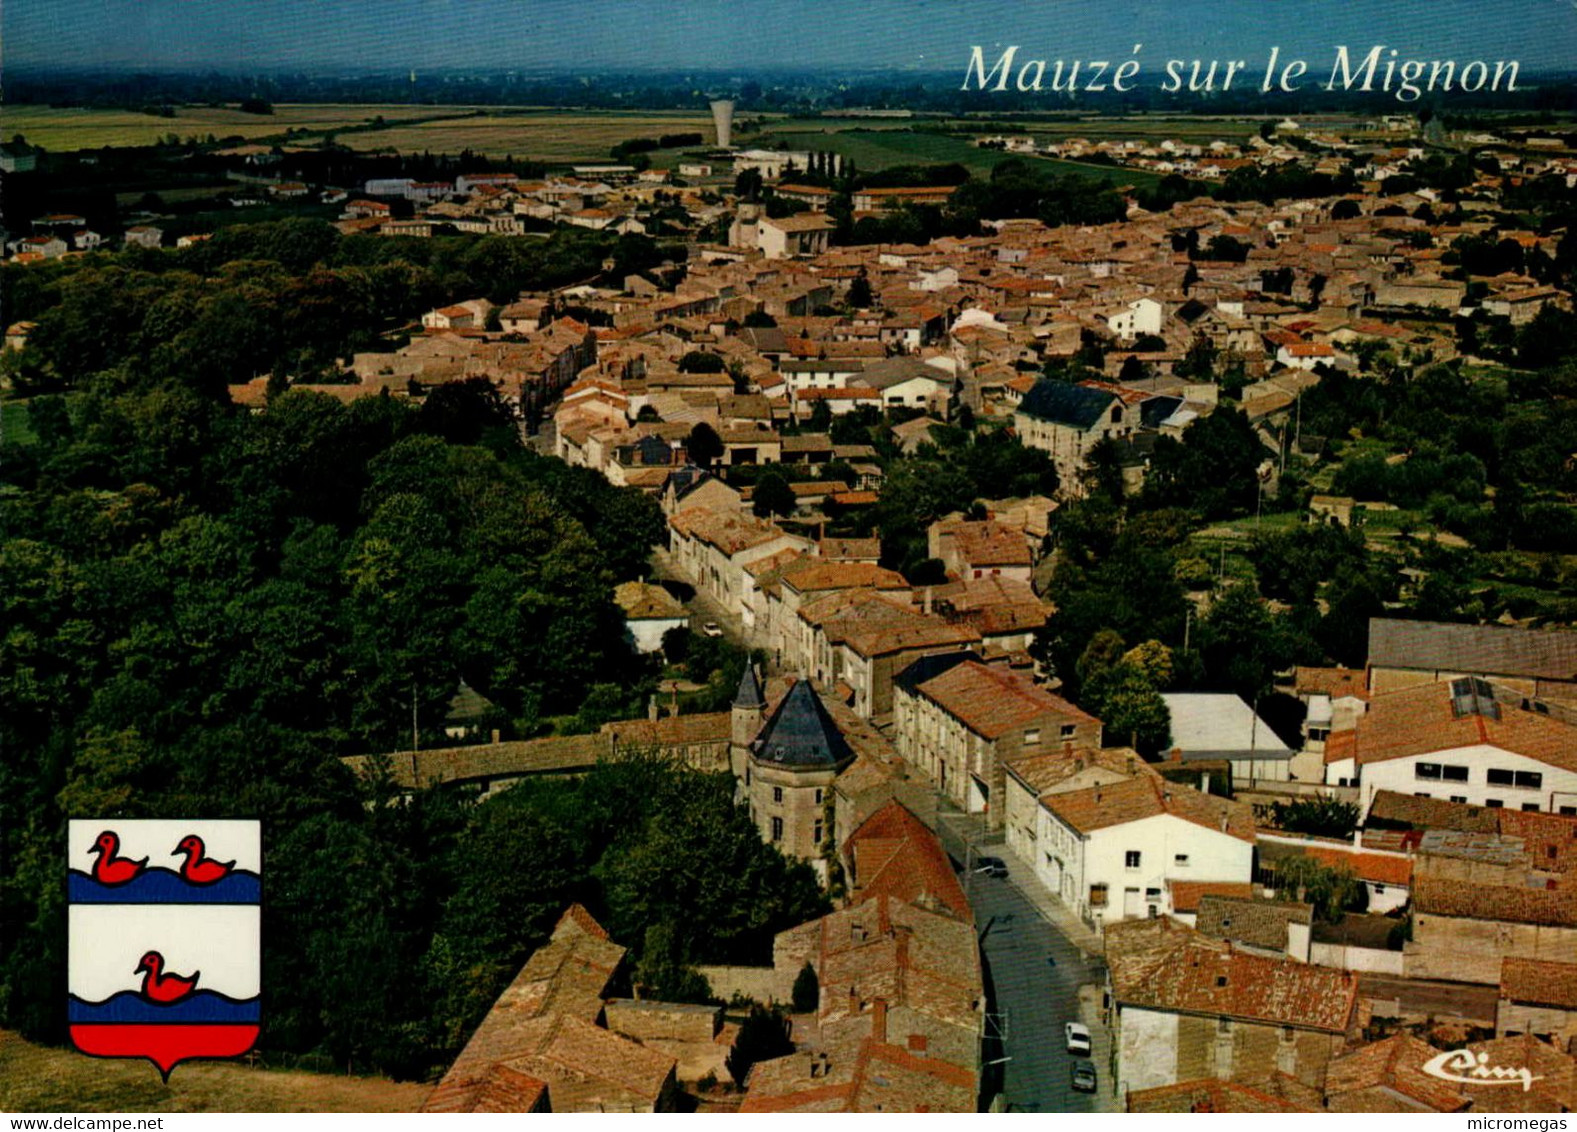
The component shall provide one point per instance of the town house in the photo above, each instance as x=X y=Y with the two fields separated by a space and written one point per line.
x=1458 y=740
x=1108 y=851
x=1186 y=1007
x=961 y=722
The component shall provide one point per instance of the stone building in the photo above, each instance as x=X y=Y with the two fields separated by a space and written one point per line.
x=1186 y=1007
x=789 y=768
x=1463 y=932
x=961 y=722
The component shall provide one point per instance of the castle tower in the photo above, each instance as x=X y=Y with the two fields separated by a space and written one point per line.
x=746 y=722
x=789 y=773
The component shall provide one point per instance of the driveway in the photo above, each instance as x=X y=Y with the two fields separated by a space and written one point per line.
x=1034 y=978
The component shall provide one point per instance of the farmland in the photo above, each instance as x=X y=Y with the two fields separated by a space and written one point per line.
x=537 y=135
x=63 y=129
x=558 y=137
x=39 y=1079
x=882 y=148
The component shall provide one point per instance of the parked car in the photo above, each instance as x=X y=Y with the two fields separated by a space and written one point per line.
x=991 y=866
x=1078 y=1039
x=1082 y=1076
x=712 y=629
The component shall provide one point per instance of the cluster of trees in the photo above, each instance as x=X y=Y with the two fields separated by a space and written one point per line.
x=293 y=295
x=951 y=473
x=206 y=608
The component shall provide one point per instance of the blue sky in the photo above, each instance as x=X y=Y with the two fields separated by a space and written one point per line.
x=741 y=35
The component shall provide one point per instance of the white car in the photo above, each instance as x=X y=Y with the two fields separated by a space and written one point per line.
x=712 y=629
x=1078 y=1039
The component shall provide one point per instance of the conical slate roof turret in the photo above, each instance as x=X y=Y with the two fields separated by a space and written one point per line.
x=801 y=733
x=749 y=695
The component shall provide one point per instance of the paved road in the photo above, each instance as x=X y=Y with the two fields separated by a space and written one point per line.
x=701 y=607
x=1033 y=978
x=1474 y=1002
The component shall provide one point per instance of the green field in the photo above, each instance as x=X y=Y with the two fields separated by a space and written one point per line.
x=537 y=135
x=63 y=129
x=884 y=148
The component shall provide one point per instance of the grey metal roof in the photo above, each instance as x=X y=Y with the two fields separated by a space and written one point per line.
x=1061 y=403
x=1495 y=650
x=801 y=733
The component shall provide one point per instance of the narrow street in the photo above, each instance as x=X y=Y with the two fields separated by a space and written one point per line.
x=701 y=607
x=1037 y=979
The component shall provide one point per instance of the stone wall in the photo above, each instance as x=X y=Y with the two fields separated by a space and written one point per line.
x=761 y=984
x=1470 y=951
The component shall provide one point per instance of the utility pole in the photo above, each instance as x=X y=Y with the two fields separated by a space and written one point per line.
x=415 y=735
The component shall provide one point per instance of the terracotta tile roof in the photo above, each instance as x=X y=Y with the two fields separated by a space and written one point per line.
x=1554 y=1076
x=1391 y=809
x=1118 y=803
x=896 y=855
x=811 y=574
x=1341 y=745
x=1395 y=1063
x=1422 y=720
x=542 y=1031
x=901 y=631
x=642 y=601
x=992 y=701
x=1334 y=682
x=1186 y=894
x=730 y=533
x=1505 y=903
x=1162 y=965
x=1376 y=868
x=1539 y=982
x=670 y=731
x=1210 y=1095
x=987 y=543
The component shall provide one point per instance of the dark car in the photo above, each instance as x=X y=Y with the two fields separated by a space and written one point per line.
x=991 y=866
x=1082 y=1076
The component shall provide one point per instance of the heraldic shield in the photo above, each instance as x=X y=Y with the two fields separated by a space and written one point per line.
x=165 y=951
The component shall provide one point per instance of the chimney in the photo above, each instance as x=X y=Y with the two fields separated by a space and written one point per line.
x=652 y=710
x=926 y=602
x=1223 y=820
x=496 y=735
x=917 y=1043
x=879 y=1021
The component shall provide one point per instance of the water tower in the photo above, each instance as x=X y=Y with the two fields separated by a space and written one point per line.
x=723 y=120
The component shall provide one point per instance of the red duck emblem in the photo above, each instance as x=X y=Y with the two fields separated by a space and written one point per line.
x=159 y=987
x=198 y=868
x=109 y=867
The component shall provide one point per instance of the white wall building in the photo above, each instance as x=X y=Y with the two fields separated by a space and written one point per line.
x=1462 y=740
x=1107 y=852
